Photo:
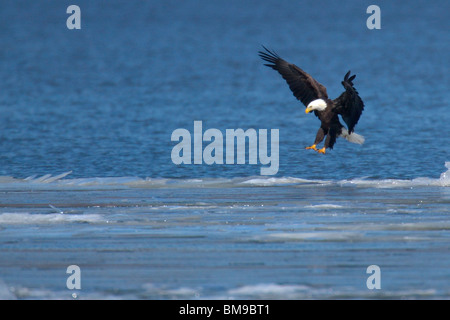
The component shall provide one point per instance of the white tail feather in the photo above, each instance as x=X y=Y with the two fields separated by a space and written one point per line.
x=352 y=137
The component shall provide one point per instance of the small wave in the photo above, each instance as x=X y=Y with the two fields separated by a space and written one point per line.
x=61 y=181
x=152 y=290
x=314 y=236
x=445 y=176
x=443 y=181
x=5 y=292
x=262 y=291
x=48 y=178
x=396 y=183
x=270 y=291
x=299 y=291
x=38 y=218
x=324 y=206
x=264 y=181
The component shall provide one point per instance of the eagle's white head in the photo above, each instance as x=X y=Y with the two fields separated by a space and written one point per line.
x=318 y=104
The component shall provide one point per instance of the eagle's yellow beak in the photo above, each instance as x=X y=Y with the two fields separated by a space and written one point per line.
x=308 y=110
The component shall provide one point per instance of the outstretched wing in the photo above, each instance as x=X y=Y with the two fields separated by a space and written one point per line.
x=349 y=104
x=304 y=87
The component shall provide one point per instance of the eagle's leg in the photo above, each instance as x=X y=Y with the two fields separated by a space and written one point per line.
x=329 y=141
x=319 y=137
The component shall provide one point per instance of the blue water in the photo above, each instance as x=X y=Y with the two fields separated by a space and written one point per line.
x=97 y=106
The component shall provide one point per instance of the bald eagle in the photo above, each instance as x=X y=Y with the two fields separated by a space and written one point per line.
x=314 y=96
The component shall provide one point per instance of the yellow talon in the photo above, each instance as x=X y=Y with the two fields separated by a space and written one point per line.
x=312 y=147
x=321 y=150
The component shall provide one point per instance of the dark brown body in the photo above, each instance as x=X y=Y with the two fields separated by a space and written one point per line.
x=329 y=125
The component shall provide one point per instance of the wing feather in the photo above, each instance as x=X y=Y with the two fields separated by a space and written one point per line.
x=349 y=104
x=304 y=87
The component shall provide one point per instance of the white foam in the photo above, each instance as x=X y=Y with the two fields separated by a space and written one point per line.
x=397 y=183
x=314 y=236
x=61 y=182
x=48 y=178
x=179 y=293
x=29 y=218
x=98 y=181
x=279 y=181
x=324 y=206
x=270 y=290
x=5 y=292
x=444 y=179
x=299 y=291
